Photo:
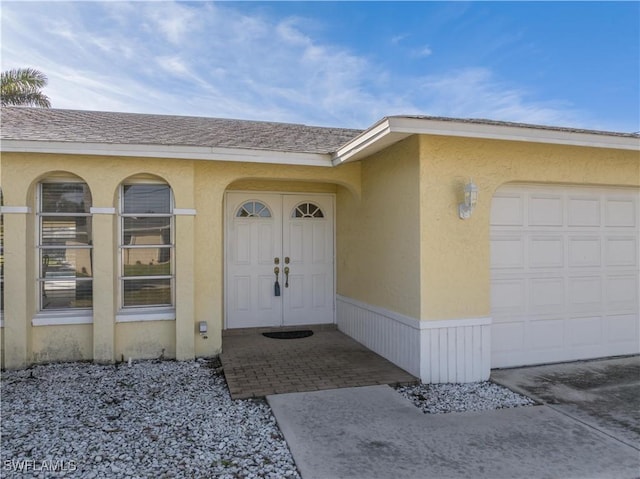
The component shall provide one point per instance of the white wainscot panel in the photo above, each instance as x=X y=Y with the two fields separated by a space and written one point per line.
x=584 y=211
x=390 y=335
x=584 y=251
x=546 y=252
x=621 y=251
x=585 y=331
x=447 y=351
x=545 y=210
x=455 y=354
x=620 y=212
x=507 y=252
x=507 y=210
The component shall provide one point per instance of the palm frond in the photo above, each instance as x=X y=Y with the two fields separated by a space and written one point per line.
x=21 y=86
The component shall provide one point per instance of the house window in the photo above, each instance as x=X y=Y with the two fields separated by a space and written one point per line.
x=64 y=246
x=307 y=210
x=147 y=245
x=253 y=209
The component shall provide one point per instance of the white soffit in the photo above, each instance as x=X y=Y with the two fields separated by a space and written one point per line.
x=391 y=130
x=168 y=151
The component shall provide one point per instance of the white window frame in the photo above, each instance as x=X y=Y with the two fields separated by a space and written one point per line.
x=58 y=315
x=144 y=312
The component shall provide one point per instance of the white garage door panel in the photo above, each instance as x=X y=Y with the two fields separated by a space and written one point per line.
x=565 y=274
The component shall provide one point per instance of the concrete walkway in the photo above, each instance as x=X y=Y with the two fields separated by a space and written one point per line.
x=373 y=432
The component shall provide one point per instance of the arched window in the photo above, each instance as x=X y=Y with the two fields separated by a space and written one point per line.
x=64 y=245
x=147 y=268
x=253 y=209
x=307 y=210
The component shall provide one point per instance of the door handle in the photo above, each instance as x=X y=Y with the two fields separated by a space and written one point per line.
x=276 y=286
x=286 y=277
x=286 y=260
x=276 y=260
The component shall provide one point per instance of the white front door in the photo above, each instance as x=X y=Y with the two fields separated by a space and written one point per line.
x=290 y=232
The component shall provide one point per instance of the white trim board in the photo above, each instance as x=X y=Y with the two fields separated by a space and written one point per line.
x=414 y=322
x=61 y=318
x=453 y=350
x=184 y=211
x=393 y=129
x=168 y=151
x=143 y=314
x=15 y=210
x=94 y=210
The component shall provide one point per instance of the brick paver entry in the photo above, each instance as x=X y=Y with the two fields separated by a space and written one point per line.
x=256 y=366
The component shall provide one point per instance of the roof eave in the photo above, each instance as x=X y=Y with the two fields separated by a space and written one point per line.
x=168 y=151
x=393 y=129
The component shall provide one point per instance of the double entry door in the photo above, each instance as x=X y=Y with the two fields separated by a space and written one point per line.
x=279 y=259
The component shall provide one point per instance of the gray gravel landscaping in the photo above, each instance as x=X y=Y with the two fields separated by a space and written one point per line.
x=164 y=419
x=480 y=396
x=148 y=420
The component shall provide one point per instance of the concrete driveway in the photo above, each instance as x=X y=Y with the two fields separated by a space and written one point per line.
x=603 y=394
x=587 y=428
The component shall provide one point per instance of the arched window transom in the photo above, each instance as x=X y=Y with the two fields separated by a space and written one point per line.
x=307 y=210
x=253 y=209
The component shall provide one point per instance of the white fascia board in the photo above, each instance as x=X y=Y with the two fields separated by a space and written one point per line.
x=168 y=151
x=376 y=138
x=391 y=130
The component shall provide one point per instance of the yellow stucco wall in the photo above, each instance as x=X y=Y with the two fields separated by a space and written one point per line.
x=377 y=238
x=62 y=343
x=455 y=261
x=199 y=266
x=399 y=242
x=145 y=340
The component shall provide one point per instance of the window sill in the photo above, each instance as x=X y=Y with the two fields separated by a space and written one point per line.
x=144 y=314
x=60 y=318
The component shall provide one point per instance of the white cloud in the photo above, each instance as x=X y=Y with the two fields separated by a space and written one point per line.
x=475 y=93
x=173 y=65
x=173 y=20
x=422 y=52
x=397 y=39
x=215 y=60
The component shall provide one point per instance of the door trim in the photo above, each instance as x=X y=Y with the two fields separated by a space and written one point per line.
x=225 y=225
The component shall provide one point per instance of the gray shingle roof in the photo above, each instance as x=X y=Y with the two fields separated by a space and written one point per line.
x=482 y=121
x=39 y=124
x=80 y=126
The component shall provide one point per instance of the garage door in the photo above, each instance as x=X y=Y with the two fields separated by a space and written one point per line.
x=564 y=274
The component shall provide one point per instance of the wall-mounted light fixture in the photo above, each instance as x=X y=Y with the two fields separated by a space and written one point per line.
x=470 y=200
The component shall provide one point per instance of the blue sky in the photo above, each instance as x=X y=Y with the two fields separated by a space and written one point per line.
x=344 y=64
